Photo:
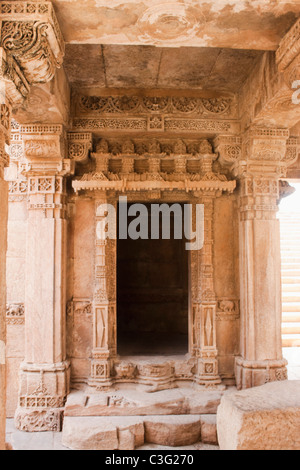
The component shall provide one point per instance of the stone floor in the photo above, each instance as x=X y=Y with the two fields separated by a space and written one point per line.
x=52 y=441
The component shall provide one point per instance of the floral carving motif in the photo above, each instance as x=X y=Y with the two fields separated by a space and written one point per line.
x=38 y=420
x=153 y=104
x=216 y=105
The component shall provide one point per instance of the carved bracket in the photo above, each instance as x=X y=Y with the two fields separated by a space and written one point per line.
x=79 y=146
x=30 y=34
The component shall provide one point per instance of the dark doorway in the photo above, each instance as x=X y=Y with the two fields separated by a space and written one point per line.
x=152 y=295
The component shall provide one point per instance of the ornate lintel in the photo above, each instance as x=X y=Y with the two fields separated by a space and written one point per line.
x=30 y=34
x=155 y=106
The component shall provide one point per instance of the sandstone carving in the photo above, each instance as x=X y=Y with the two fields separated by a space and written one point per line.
x=186 y=105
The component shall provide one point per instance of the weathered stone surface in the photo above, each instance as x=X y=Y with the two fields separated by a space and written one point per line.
x=173 y=431
x=191 y=24
x=209 y=429
x=198 y=446
x=135 y=402
x=262 y=418
x=98 y=433
x=147 y=112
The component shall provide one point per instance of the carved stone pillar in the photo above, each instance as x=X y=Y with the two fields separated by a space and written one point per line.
x=44 y=377
x=104 y=323
x=204 y=304
x=4 y=130
x=264 y=154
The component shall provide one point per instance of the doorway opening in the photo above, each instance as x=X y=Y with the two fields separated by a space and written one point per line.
x=289 y=216
x=152 y=294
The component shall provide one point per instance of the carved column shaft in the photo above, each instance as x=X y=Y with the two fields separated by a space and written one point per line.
x=3 y=244
x=261 y=358
x=44 y=381
x=104 y=324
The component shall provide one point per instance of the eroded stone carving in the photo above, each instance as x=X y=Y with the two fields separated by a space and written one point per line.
x=15 y=314
x=30 y=34
x=153 y=105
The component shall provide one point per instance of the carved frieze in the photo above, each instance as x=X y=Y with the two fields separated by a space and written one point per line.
x=101 y=105
x=165 y=124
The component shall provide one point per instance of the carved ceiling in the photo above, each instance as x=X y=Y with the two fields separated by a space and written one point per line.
x=236 y=24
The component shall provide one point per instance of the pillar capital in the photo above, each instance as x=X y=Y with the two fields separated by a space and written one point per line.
x=260 y=151
x=45 y=151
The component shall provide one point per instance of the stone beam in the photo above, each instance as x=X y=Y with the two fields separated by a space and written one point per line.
x=266 y=98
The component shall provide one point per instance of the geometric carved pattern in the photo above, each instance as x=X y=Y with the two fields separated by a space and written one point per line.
x=148 y=124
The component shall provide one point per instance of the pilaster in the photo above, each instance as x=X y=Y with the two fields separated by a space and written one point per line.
x=204 y=302
x=104 y=324
x=44 y=375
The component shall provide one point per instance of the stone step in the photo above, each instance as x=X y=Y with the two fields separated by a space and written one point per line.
x=290 y=265
x=289 y=286
x=288 y=281
x=290 y=272
x=287 y=299
x=291 y=307
x=288 y=318
x=131 y=432
x=290 y=342
x=288 y=278
x=291 y=329
x=137 y=402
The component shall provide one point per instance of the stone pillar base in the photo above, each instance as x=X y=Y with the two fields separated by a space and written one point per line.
x=256 y=373
x=39 y=420
x=208 y=372
x=101 y=374
x=42 y=396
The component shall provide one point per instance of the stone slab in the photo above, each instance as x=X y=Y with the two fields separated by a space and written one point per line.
x=174 y=431
x=134 y=402
x=101 y=433
x=209 y=429
x=198 y=446
x=261 y=418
